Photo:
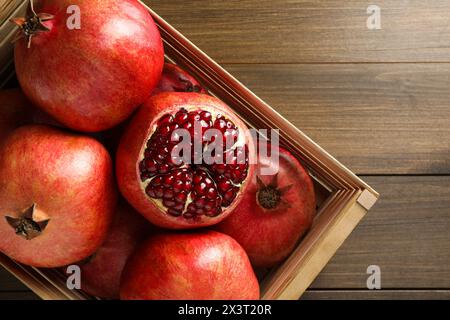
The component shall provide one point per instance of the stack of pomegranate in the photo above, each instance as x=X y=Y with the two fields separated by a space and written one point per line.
x=183 y=227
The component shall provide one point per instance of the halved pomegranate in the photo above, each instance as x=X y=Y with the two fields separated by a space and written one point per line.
x=189 y=191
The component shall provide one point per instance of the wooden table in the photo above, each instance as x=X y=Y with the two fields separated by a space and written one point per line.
x=378 y=100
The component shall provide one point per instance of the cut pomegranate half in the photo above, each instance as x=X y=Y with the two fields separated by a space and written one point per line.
x=190 y=186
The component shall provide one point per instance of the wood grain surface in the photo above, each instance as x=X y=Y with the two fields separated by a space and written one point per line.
x=312 y=31
x=375 y=118
x=378 y=100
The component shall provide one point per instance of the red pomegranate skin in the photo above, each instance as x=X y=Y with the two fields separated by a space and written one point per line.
x=204 y=265
x=175 y=79
x=270 y=235
x=14 y=111
x=134 y=141
x=93 y=78
x=70 y=180
x=100 y=275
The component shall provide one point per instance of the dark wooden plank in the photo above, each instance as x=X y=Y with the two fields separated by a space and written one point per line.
x=18 y=295
x=293 y=31
x=376 y=119
x=9 y=283
x=406 y=234
x=377 y=295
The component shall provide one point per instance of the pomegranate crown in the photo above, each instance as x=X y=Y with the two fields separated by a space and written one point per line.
x=31 y=25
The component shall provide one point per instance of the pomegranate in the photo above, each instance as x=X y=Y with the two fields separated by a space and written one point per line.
x=205 y=265
x=175 y=79
x=101 y=272
x=57 y=196
x=188 y=193
x=14 y=111
x=90 y=76
x=275 y=212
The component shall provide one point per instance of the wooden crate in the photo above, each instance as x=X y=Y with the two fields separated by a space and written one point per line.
x=343 y=198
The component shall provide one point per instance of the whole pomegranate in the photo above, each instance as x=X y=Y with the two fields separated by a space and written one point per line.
x=88 y=64
x=276 y=210
x=100 y=274
x=204 y=265
x=189 y=191
x=175 y=79
x=57 y=196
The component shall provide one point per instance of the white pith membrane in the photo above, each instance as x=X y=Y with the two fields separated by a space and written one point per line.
x=240 y=143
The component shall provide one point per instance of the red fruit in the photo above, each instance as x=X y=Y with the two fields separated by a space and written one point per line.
x=204 y=265
x=14 y=111
x=93 y=78
x=101 y=273
x=57 y=196
x=175 y=79
x=275 y=211
x=182 y=195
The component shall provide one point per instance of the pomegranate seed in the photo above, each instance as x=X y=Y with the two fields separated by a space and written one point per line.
x=205 y=115
x=173 y=127
x=150 y=192
x=157 y=181
x=164 y=130
x=168 y=180
x=168 y=194
x=197 y=179
x=229 y=195
x=159 y=192
x=188 y=215
x=165 y=119
x=209 y=205
x=200 y=203
x=174 y=212
x=214 y=212
x=181 y=118
x=224 y=185
x=219 y=168
x=212 y=193
x=181 y=197
x=194 y=116
x=188 y=126
x=178 y=186
x=179 y=207
x=168 y=203
x=163 y=168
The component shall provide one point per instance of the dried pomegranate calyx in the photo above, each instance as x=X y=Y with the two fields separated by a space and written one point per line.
x=270 y=196
x=25 y=226
x=31 y=25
